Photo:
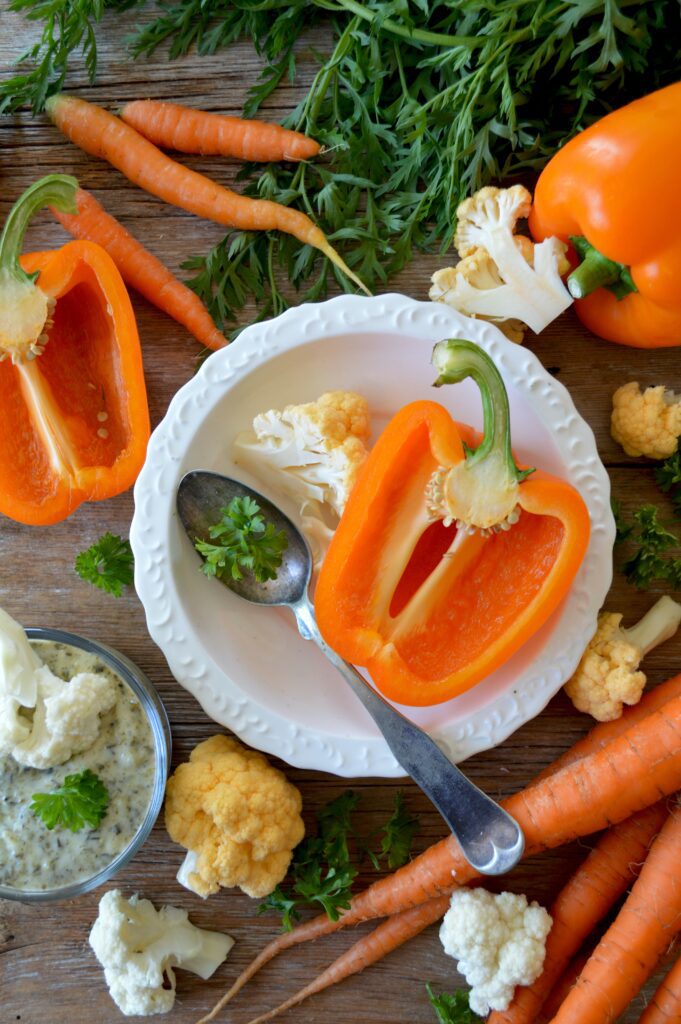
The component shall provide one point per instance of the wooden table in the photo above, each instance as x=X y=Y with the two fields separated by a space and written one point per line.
x=47 y=971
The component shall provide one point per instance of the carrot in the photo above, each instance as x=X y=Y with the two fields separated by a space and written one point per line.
x=629 y=773
x=140 y=269
x=103 y=135
x=172 y=126
x=559 y=992
x=389 y=935
x=666 y=1005
x=606 y=731
x=587 y=897
x=629 y=951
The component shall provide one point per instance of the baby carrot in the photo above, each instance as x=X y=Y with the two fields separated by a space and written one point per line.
x=626 y=775
x=627 y=954
x=583 y=902
x=173 y=126
x=665 y=1007
x=389 y=935
x=103 y=135
x=140 y=269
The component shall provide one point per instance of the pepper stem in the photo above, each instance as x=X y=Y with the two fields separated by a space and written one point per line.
x=455 y=360
x=24 y=307
x=597 y=271
x=57 y=190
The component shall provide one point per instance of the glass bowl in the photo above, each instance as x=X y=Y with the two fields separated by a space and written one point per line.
x=157 y=717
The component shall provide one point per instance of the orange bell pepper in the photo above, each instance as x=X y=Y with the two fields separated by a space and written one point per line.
x=74 y=421
x=612 y=191
x=448 y=557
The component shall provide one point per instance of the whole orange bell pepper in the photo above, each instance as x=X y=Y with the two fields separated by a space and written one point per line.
x=448 y=557
x=74 y=421
x=613 y=192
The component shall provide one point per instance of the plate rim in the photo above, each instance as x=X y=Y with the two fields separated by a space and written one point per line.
x=220 y=697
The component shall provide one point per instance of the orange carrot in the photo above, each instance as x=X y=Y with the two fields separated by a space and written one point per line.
x=103 y=135
x=629 y=773
x=389 y=935
x=587 y=897
x=665 y=1007
x=140 y=269
x=188 y=130
x=560 y=990
x=629 y=951
x=606 y=731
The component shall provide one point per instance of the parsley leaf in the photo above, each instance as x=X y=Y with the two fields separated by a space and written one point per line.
x=245 y=542
x=454 y=1009
x=651 y=539
x=321 y=871
x=108 y=564
x=81 y=800
x=668 y=479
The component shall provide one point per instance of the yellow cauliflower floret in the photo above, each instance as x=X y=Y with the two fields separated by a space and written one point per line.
x=237 y=815
x=608 y=675
x=646 y=423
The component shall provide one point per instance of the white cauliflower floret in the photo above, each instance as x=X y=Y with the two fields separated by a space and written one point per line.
x=138 y=947
x=312 y=453
x=66 y=718
x=646 y=423
x=608 y=675
x=18 y=683
x=44 y=721
x=499 y=942
x=503 y=277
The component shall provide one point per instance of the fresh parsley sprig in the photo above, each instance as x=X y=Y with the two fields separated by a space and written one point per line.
x=107 y=564
x=452 y=1009
x=322 y=872
x=245 y=543
x=81 y=800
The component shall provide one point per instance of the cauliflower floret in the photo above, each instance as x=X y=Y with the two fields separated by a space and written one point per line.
x=44 y=721
x=499 y=942
x=237 y=815
x=646 y=423
x=66 y=718
x=607 y=676
x=503 y=277
x=138 y=947
x=312 y=453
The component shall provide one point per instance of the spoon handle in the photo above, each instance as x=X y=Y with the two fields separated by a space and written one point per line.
x=490 y=839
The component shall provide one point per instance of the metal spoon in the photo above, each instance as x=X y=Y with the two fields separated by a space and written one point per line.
x=489 y=838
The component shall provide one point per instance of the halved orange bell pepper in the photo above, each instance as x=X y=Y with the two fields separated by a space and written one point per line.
x=613 y=191
x=448 y=557
x=74 y=421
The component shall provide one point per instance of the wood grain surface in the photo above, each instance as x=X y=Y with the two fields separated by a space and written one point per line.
x=48 y=974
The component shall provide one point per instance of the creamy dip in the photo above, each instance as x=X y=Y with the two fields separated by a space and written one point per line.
x=123 y=756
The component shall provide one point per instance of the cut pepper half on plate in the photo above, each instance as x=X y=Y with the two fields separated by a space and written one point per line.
x=448 y=557
x=74 y=422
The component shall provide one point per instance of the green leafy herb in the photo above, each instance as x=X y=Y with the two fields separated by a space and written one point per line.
x=650 y=540
x=397 y=836
x=67 y=26
x=321 y=871
x=245 y=543
x=81 y=800
x=622 y=527
x=452 y=1009
x=668 y=479
x=108 y=564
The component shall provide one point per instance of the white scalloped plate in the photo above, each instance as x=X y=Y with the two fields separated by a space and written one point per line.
x=247 y=666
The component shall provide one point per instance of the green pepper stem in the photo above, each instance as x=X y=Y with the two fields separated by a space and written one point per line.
x=53 y=190
x=456 y=359
x=597 y=271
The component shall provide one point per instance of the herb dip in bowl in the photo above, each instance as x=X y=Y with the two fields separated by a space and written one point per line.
x=131 y=756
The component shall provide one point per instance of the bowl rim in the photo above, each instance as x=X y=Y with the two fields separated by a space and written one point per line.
x=157 y=716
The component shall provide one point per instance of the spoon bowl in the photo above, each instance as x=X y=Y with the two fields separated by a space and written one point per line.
x=201 y=499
